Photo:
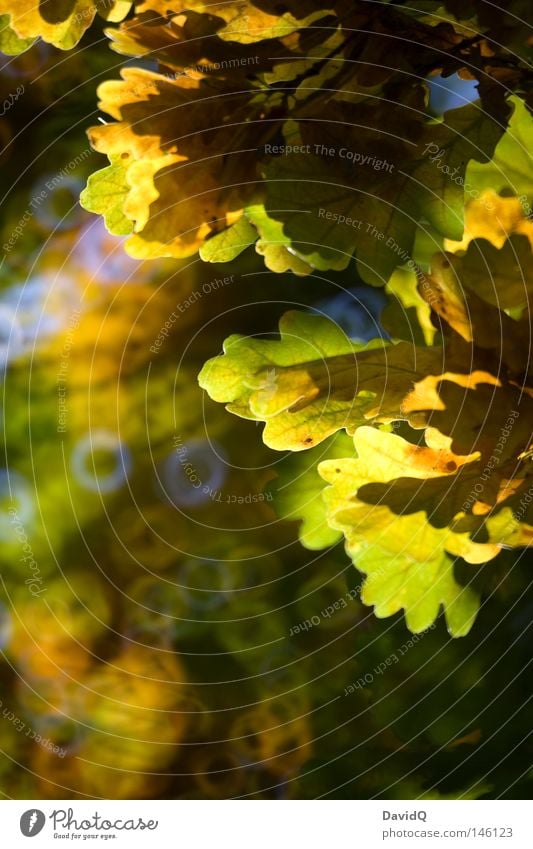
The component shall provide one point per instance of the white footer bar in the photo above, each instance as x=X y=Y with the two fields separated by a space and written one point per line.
x=194 y=824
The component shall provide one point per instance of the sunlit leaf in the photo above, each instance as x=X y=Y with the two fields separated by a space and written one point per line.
x=242 y=20
x=227 y=245
x=510 y=167
x=407 y=316
x=315 y=381
x=178 y=195
x=277 y=249
x=407 y=561
x=10 y=43
x=105 y=194
x=205 y=140
x=64 y=24
x=495 y=219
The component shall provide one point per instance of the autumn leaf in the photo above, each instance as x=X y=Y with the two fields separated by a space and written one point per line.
x=10 y=43
x=226 y=246
x=466 y=295
x=402 y=510
x=407 y=508
x=501 y=276
x=330 y=211
x=406 y=316
x=325 y=219
x=243 y=21
x=359 y=184
x=276 y=248
x=105 y=195
x=510 y=167
x=407 y=561
x=64 y=24
x=321 y=382
x=439 y=180
x=494 y=218
x=180 y=188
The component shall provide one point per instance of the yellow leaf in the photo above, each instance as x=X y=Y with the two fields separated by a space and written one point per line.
x=180 y=174
x=61 y=22
x=494 y=218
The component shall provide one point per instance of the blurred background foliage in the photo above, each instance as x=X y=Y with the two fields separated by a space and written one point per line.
x=156 y=653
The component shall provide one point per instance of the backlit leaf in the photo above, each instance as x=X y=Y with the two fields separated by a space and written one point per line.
x=105 y=194
x=10 y=43
x=64 y=24
x=298 y=491
x=407 y=561
x=315 y=381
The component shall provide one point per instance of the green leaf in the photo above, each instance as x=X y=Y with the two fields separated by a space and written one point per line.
x=510 y=167
x=298 y=491
x=64 y=24
x=226 y=246
x=328 y=213
x=406 y=316
x=405 y=558
x=437 y=187
x=314 y=380
x=105 y=195
x=247 y=24
x=10 y=43
x=276 y=248
x=326 y=220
